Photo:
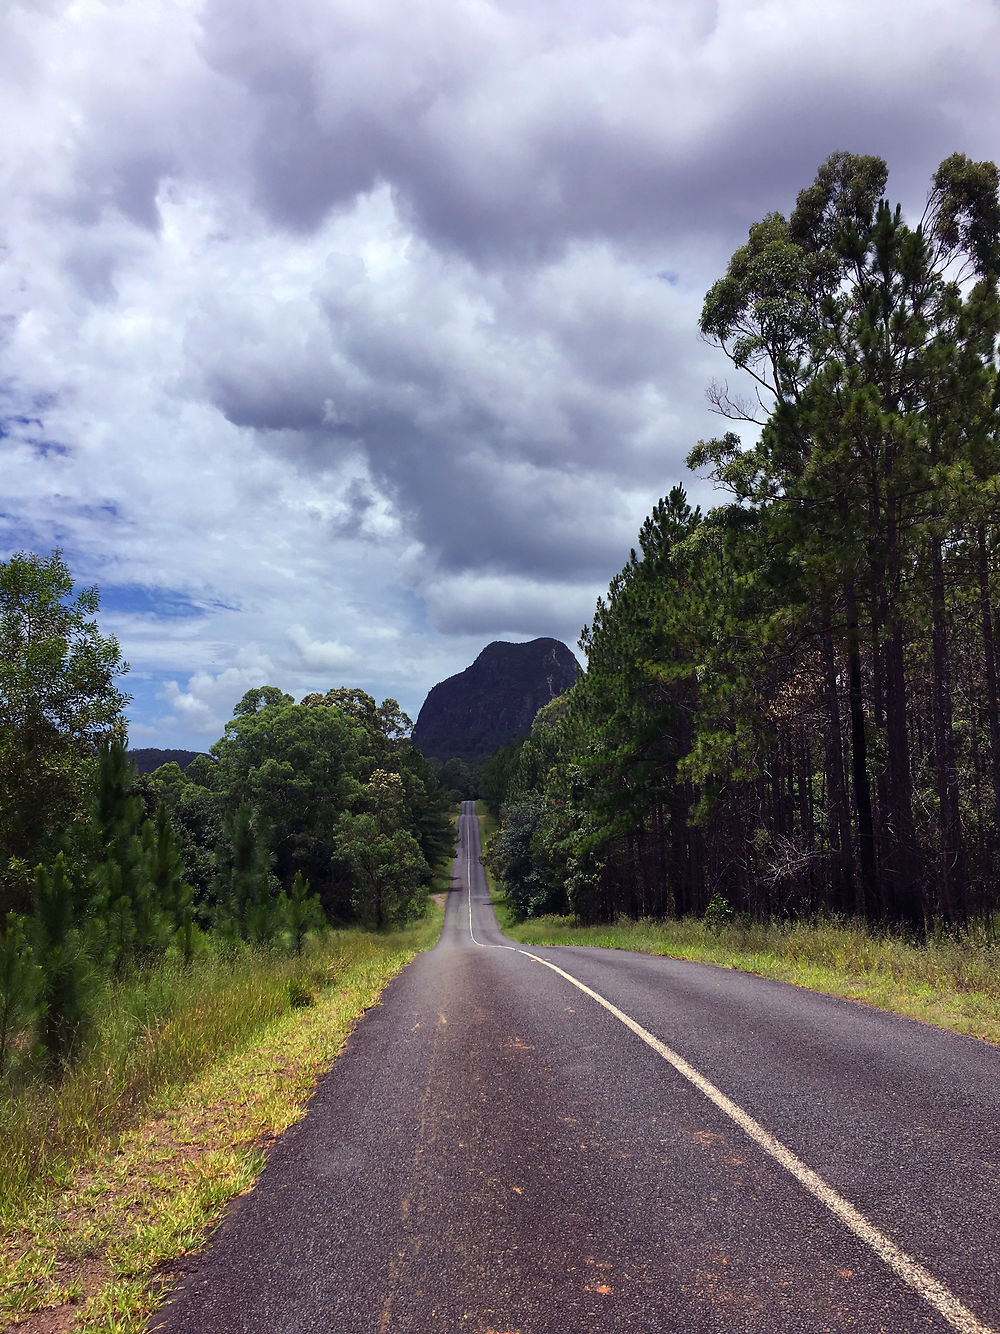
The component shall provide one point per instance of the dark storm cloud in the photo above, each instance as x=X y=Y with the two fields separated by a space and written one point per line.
x=303 y=171
x=505 y=140
x=507 y=146
x=503 y=437
x=474 y=510
x=268 y=398
x=460 y=489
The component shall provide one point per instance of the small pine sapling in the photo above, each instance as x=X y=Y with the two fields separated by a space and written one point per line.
x=19 y=978
x=304 y=912
x=66 y=972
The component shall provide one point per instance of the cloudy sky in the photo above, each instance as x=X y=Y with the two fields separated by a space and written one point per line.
x=338 y=339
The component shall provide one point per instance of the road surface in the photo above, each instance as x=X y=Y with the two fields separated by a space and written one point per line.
x=578 y=1141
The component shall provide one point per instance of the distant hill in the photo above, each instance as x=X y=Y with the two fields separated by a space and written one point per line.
x=493 y=702
x=148 y=758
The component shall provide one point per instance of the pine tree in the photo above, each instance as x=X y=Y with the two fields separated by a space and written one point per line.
x=302 y=912
x=124 y=904
x=872 y=337
x=246 y=909
x=19 y=982
x=66 y=971
x=163 y=875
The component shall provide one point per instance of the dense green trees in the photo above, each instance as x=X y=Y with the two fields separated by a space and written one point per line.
x=66 y=965
x=304 y=814
x=18 y=986
x=385 y=860
x=326 y=796
x=58 y=698
x=793 y=702
x=878 y=351
x=459 y=780
x=305 y=774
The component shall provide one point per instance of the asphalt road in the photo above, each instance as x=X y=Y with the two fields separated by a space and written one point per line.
x=497 y=1151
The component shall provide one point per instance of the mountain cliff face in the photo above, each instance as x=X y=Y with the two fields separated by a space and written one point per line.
x=493 y=702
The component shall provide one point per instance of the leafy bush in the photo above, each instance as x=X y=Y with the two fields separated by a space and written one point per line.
x=719 y=913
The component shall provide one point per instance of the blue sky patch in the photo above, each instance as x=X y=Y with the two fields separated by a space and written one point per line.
x=163 y=603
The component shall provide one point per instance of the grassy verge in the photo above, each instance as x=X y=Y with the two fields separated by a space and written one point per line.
x=96 y=1242
x=951 y=984
x=488 y=826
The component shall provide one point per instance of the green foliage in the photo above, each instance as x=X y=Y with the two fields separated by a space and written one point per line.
x=386 y=719
x=388 y=869
x=298 y=768
x=19 y=984
x=67 y=975
x=195 y=811
x=124 y=876
x=57 y=699
x=459 y=780
x=497 y=775
x=303 y=912
x=516 y=859
x=261 y=697
x=719 y=913
x=163 y=870
x=246 y=910
x=125 y=880
x=792 y=704
x=428 y=805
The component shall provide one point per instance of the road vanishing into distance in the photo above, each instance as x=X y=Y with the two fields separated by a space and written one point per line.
x=574 y=1141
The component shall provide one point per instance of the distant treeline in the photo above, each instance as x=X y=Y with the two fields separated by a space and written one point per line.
x=148 y=758
x=792 y=704
x=335 y=793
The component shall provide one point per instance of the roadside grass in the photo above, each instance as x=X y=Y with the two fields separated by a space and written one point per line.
x=94 y=1238
x=488 y=826
x=953 y=984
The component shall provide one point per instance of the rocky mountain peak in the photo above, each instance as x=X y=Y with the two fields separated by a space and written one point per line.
x=494 y=701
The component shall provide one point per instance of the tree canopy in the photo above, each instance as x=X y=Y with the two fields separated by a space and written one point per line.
x=793 y=700
x=305 y=771
x=58 y=699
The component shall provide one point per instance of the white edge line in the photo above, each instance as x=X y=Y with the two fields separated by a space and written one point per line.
x=909 y=1270
x=913 y=1274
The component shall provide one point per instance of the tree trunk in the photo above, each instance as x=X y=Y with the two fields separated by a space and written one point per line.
x=868 y=881
x=904 y=867
x=950 y=869
x=838 y=814
x=992 y=693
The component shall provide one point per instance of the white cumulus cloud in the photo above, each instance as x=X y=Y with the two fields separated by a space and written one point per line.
x=336 y=340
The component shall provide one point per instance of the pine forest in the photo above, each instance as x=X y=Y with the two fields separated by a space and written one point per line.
x=791 y=705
